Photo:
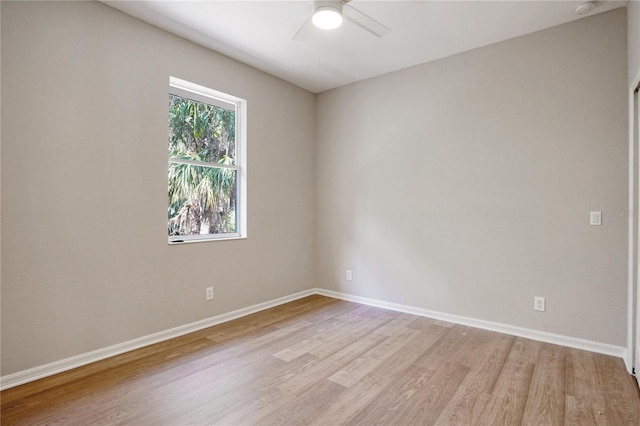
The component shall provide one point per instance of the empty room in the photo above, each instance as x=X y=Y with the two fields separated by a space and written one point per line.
x=319 y=212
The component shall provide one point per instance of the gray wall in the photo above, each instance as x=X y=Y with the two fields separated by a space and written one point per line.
x=633 y=29
x=464 y=185
x=85 y=260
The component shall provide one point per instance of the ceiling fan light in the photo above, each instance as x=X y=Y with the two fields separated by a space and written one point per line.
x=327 y=18
x=585 y=7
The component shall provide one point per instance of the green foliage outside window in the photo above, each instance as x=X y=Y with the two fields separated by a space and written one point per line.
x=202 y=195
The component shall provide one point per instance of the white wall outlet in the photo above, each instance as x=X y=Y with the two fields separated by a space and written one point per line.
x=595 y=218
x=349 y=275
x=209 y=293
x=539 y=304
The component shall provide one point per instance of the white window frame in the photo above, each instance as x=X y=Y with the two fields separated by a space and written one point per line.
x=196 y=92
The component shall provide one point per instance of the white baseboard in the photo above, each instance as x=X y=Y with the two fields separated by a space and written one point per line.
x=572 y=342
x=628 y=363
x=39 y=372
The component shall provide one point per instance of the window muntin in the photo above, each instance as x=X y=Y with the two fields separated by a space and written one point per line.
x=206 y=173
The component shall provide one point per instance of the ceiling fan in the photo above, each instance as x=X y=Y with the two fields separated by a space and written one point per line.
x=328 y=15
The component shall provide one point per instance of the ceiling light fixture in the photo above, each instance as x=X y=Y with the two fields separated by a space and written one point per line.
x=328 y=16
x=585 y=7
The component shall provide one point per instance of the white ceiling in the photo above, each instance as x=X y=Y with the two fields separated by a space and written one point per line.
x=259 y=33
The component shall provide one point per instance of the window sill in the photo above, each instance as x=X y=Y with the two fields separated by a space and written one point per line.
x=206 y=240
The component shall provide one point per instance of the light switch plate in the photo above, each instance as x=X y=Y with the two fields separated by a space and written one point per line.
x=595 y=218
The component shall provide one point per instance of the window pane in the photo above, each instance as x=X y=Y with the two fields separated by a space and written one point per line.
x=202 y=200
x=201 y=132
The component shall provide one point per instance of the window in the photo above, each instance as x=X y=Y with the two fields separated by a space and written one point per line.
x=206 y=172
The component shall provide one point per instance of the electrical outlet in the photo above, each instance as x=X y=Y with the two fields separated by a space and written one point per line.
x=209 y=293
x=538 y=304
x=349 y=275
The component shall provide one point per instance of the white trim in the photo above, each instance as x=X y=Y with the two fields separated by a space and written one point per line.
x=631 y=258
x=572 y=342
x=25 y=376
x=198 y=93
x=206 y=238
x=241 y=160
x=66 y=364
x=203 y=164
x=632 y=308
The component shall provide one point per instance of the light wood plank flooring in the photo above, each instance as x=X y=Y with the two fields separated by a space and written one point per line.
x=323 y=361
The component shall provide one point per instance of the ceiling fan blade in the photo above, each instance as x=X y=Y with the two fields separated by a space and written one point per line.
x=303 y=30
x=364 y=21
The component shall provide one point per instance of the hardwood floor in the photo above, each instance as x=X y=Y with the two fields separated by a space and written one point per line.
x=322 y=361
